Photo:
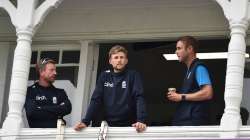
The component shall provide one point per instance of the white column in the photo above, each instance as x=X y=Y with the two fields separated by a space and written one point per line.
x=18 y=86
x=26 y=18
x=83 y=91
x=237 y=14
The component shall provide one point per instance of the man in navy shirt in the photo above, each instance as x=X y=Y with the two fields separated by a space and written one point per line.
x=197 y=88
x=44 y=103
x=120 y=93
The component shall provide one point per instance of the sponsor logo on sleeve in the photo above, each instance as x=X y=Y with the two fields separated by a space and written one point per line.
x=41 y=98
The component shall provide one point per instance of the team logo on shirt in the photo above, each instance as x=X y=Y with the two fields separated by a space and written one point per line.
x=124 y=84
x=54 y=99
x=108 y=84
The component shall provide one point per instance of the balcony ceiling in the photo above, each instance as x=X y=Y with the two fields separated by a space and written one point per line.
x=100 y=4
x=90 y=4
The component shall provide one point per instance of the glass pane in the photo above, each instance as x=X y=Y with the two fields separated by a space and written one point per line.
x=50 y=54
x=71 y=57
x=33 y=57
x=68 y=73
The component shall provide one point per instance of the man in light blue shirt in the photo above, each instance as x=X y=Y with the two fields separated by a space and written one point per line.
x=196 y=90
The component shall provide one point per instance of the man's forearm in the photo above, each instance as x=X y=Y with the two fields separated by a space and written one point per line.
x=206 y=93
x=59 y=110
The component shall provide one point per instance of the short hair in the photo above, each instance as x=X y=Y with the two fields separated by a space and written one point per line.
x=118 y=48
x=190 y=41
x=40 y=66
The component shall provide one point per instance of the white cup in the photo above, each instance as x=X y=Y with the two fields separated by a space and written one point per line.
x=171 y=89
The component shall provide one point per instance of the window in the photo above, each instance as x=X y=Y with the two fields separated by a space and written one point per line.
x=70 y=57
x=67 y=62
x=50 y=54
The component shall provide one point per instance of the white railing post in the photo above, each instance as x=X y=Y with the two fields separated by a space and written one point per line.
x=60 y=129
x=103 y=131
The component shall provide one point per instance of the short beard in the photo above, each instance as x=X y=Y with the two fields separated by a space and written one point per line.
x=50 y=81
x=118 y=70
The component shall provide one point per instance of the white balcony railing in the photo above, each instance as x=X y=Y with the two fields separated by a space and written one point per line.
x=129 y=133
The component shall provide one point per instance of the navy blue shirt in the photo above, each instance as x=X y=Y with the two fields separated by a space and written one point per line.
x=44 y=105
x=121 y=96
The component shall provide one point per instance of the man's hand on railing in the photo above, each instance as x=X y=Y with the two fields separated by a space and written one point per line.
x=79 y=126
x=139 y=126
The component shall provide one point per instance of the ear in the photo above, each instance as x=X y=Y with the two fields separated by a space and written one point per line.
x=110 y=60
x=40 y=73
x=190 y=48
x=126 y=61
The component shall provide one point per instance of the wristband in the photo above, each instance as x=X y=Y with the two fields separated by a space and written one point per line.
x=183 y=97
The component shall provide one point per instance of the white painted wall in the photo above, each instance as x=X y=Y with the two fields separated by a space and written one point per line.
x=86 y=80
x=4 y=55
x=7 y=65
